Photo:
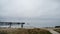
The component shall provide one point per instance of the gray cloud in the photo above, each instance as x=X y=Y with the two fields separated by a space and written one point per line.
x=30 y=11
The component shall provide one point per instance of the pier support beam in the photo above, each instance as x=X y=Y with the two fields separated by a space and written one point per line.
x=22 y=25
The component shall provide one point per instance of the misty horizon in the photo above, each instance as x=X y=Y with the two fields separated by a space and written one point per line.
x=38 y=13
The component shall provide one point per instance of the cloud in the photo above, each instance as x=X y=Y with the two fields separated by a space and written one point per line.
x=30 y=10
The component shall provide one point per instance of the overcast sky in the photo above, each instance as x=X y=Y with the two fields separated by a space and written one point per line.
x=35 y=12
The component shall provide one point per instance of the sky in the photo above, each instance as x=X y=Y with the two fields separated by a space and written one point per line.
x=36 y=13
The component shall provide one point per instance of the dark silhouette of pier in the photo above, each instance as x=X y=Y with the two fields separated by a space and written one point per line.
x=12 y=23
